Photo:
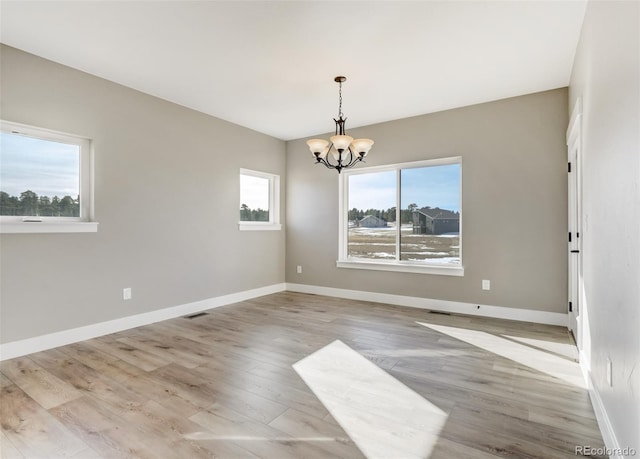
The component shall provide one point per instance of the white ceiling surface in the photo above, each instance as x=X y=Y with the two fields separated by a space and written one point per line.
x=270 y=66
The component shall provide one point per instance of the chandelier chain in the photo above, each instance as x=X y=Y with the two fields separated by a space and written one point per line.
x=340 y=95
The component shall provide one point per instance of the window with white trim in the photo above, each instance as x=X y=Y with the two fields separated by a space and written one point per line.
x=424 y=236
x=259 y=201
x=45 y=181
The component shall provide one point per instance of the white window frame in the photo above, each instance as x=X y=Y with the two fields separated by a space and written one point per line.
x=345 y=261
x=274 y=203
x=82 y=224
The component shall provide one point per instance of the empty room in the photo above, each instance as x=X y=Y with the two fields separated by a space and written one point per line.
x=320 y=229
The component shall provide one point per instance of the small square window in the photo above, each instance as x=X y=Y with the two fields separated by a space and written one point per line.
x=45 y=181
x=259 y=201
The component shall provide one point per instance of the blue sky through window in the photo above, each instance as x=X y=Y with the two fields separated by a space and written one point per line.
x=434 y=186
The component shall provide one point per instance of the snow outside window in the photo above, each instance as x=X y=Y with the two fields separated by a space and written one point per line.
x=403 y=217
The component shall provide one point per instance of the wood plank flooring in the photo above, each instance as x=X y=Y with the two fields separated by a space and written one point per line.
x=222 y=385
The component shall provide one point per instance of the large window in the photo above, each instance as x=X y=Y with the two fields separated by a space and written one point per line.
x=259 y=201
x=424 y=235
x=45 y=180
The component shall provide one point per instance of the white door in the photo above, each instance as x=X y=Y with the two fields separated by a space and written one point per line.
x=575 y=221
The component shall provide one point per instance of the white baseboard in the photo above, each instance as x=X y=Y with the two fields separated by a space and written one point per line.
x=499 y=312
x=606 y=429
x=74 y=335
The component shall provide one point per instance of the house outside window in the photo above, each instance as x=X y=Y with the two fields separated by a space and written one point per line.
x=424 y=236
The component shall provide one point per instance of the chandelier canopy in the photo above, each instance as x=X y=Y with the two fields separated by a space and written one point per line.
x=345 y=150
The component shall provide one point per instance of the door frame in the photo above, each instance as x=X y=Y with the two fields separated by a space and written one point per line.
x=574 y=248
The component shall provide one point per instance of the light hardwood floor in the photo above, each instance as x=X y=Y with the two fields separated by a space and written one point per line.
x=223 y=385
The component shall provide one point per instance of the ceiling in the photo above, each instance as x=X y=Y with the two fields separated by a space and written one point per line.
x=270 y=66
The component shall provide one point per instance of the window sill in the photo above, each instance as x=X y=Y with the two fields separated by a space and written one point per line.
x=402 y=267
x=259 y=226
x=49 y=227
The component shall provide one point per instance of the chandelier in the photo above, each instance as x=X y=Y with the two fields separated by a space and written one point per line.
x=345 y=150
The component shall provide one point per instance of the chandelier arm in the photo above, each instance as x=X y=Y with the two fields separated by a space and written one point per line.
x=350 y=163
x=331 y=147
x=339 y=166
x=342 y=156
x=351 y=157
x=354 y=158
x=341 y=163
x=324 y=163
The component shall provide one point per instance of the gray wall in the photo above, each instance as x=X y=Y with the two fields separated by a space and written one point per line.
x=514 y=203
x=606 y=75
x=166 y=198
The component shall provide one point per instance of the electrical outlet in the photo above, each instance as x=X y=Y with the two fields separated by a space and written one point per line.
x=126 y=293
x=486 y=284
x=299 y=269
x=609 y=373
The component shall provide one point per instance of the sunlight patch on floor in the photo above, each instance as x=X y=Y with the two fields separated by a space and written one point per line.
x=545 y=362
x=381 y=415
x=567 y=350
